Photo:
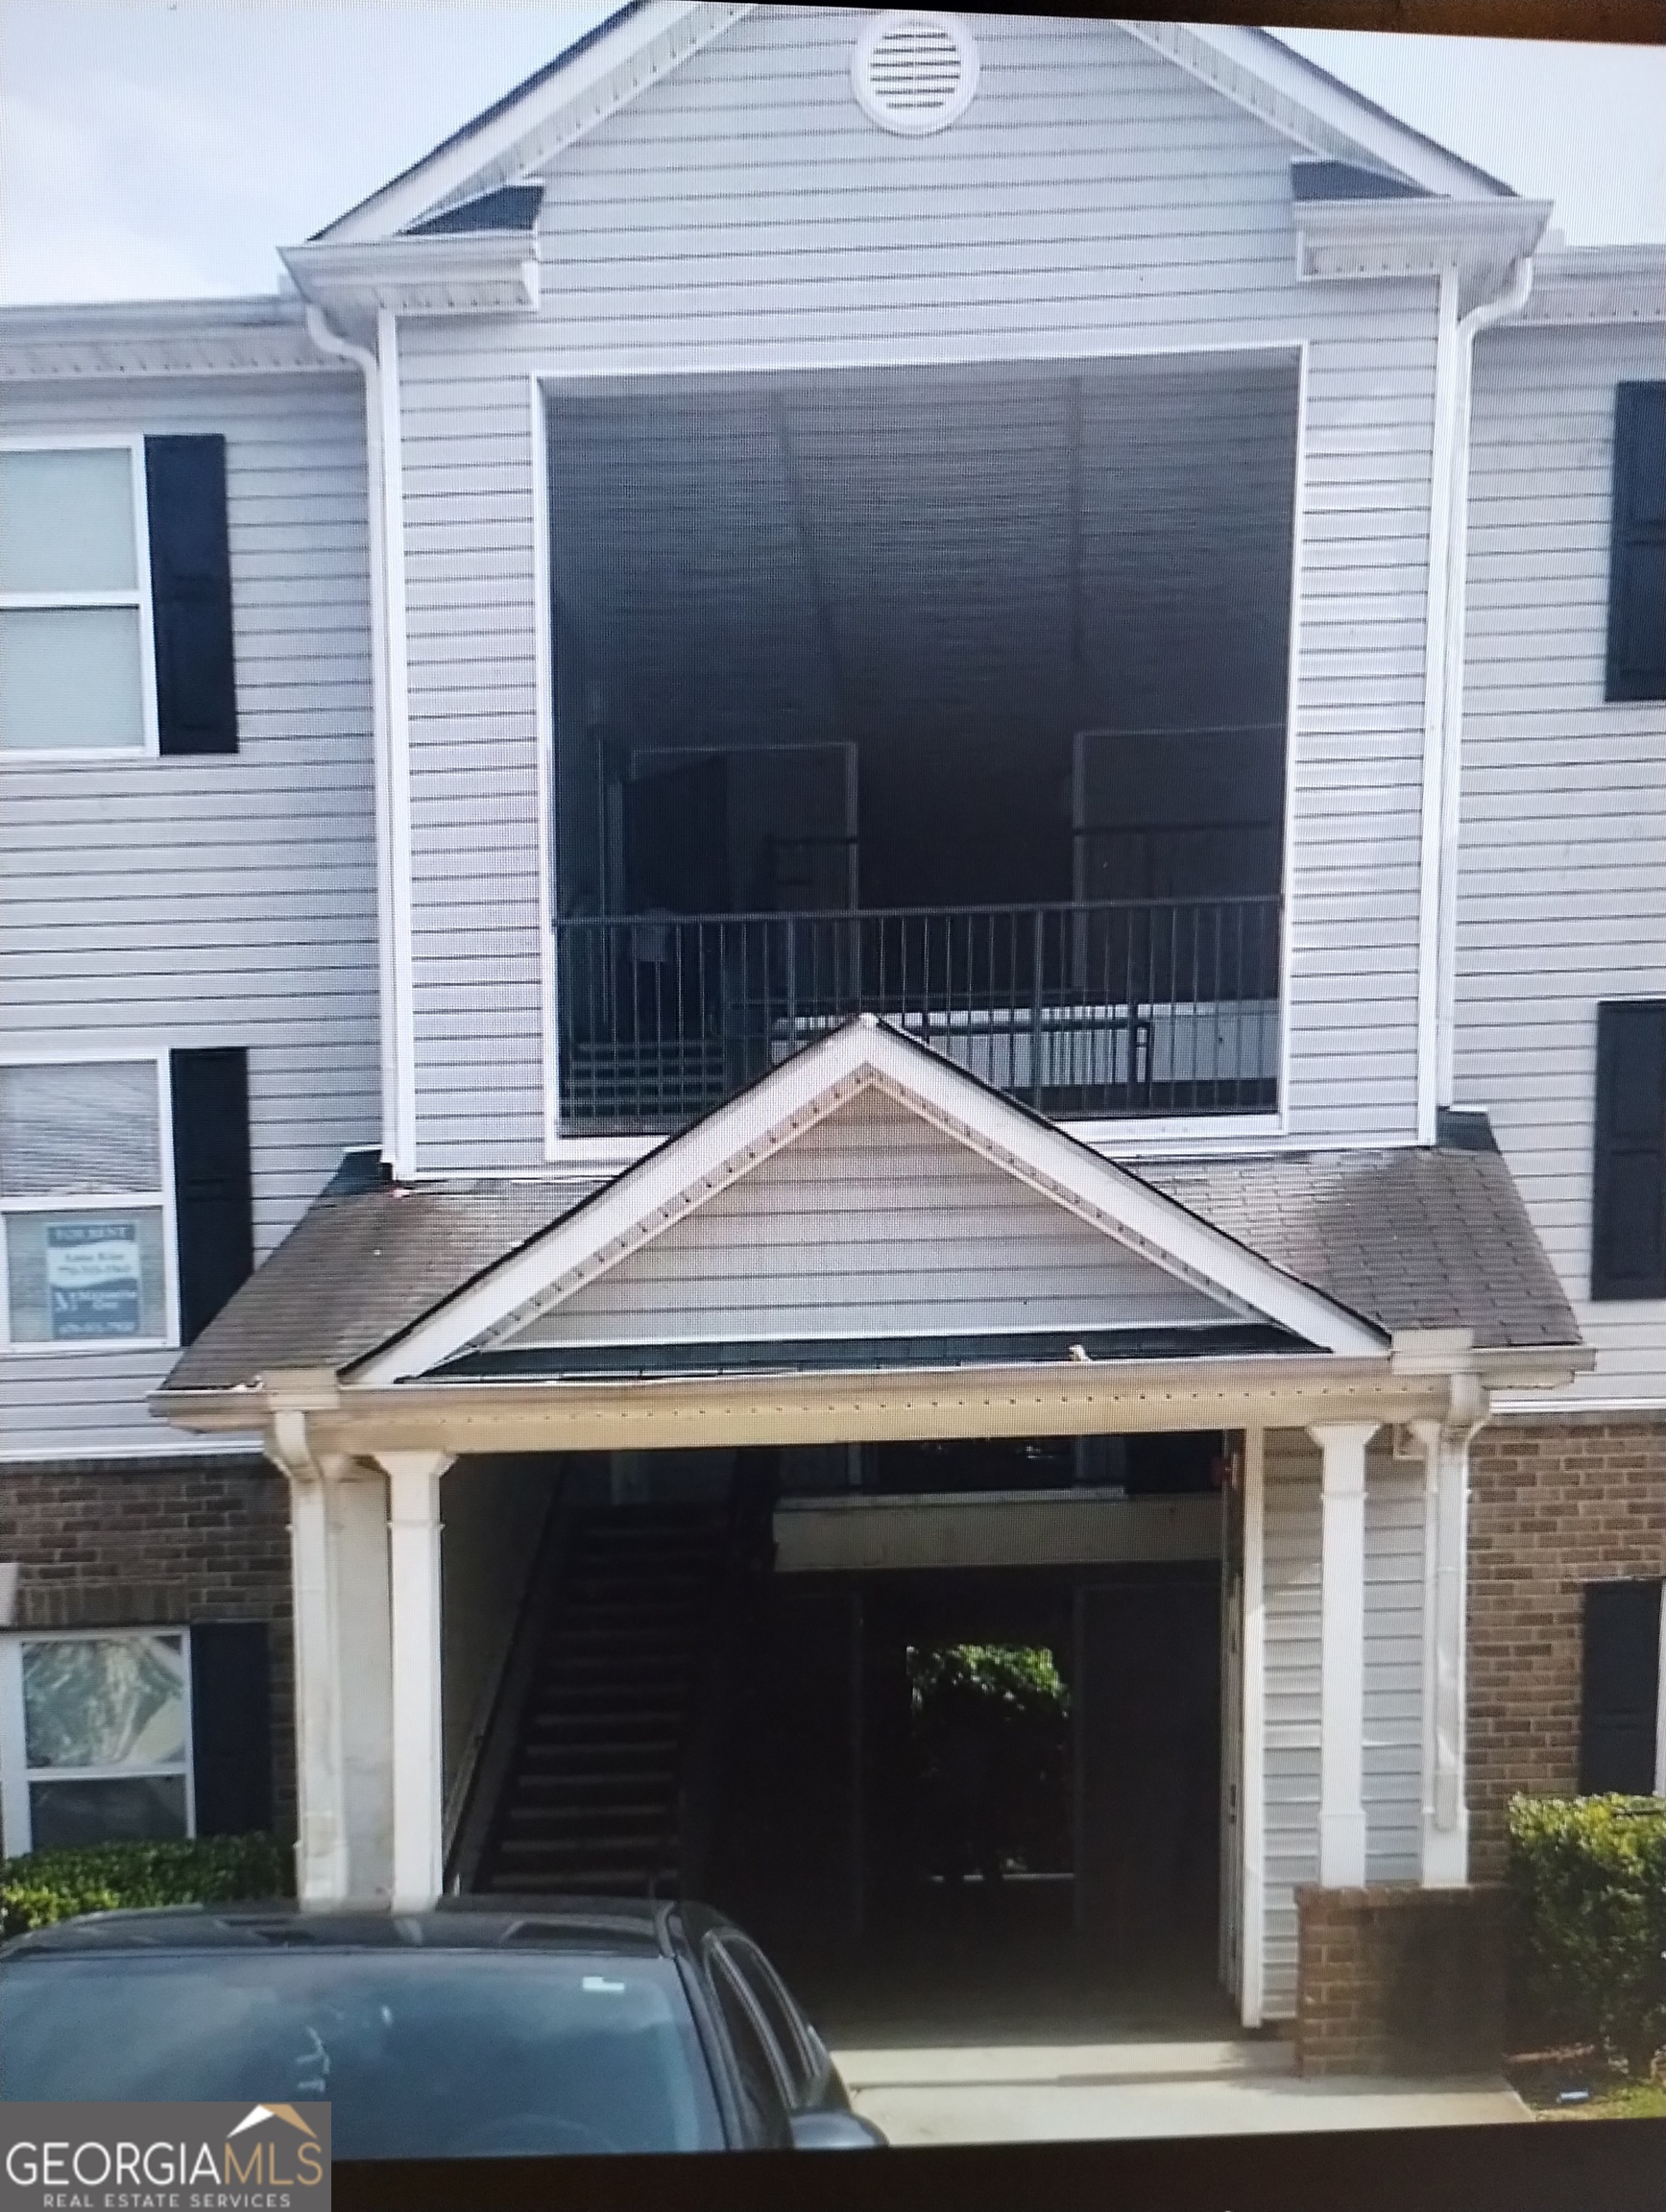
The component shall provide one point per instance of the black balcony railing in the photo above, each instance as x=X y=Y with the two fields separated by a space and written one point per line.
x=1166 y=1006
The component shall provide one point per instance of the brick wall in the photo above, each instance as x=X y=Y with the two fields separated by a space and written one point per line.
x=1400 y=1979
x=157 y=1547
x=1553 y=1505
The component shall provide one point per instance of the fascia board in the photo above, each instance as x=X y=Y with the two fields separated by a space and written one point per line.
x=263 y=336
x=1595 y=285
x=690 y=1169
x=1253 y=69
x=599 y=82
x=476 y=272
x=1274 y=1389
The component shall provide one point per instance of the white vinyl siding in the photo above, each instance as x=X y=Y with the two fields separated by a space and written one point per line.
x=1394 y=1684
x=152 y=903
x=1562 y=884
x=743 y=214
x=873 y=1223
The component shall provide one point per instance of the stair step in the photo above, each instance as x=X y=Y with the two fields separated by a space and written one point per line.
x=558 y=1851
x=599 y=1766
x=624 y=1829
x=592 y=1795
x=599 y=1882
x=618 y=1785
x=603 y=1713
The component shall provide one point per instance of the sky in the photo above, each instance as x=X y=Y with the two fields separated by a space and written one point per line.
x=166 y=147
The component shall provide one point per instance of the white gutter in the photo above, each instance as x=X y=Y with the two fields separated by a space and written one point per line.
x=390 y=715
x=1481 y=317
x=1444 y=677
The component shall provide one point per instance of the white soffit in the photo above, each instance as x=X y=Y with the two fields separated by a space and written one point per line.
x=1354 y=238
x=686 y=1170
x=466 y=273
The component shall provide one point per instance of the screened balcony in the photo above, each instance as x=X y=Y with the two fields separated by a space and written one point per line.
x=951 y=696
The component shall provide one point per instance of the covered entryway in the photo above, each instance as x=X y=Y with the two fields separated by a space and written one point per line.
x=873 y=1253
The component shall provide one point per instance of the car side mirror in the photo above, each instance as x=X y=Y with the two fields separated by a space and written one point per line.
x=834 y=2132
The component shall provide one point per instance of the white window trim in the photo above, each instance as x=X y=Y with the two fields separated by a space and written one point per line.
x=17 y=1827
x=102 y=1202
x=133 y=443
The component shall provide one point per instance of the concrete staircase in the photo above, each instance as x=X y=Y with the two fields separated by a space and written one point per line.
x=589 y=1806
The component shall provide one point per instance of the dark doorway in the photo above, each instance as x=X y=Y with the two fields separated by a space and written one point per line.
x=978 y=1787
x=1148 y=1767
x=967 y=1773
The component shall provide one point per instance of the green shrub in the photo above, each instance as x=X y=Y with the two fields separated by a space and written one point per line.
x=47 y=1886
x=1587 y=1879
x=991 y=1747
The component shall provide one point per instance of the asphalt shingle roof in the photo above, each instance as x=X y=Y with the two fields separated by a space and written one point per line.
x=1431 y=1237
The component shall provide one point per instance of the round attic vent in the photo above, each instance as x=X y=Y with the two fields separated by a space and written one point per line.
x=914 y=70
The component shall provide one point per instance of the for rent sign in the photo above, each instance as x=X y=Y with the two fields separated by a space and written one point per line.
x=93 y=1278
x=196 y=2157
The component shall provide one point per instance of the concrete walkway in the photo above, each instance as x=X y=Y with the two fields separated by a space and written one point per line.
x=1030 y=2091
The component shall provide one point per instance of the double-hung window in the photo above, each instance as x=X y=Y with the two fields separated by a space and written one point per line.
x=86 y=1205
x=135 y=1733
x=116 y=598
x=95 y=1738
x=76 y=661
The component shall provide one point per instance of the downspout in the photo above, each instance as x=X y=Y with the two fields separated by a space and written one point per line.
x=385 y=531
x=1481 y=317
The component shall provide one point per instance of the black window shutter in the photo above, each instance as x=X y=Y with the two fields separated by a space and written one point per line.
x=1619 y=1703
x=213 y=1199
x=1629 y=1167
x=1637 y=552
x=231 y=1726
x=191 y=594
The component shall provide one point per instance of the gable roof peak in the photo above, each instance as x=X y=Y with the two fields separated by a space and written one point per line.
x=636 y=44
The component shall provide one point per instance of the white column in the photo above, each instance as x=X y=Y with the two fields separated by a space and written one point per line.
x=358 y=1502
x=414 y=1581
x=1445 y=1607
x=1252 y=1938
x=338 y=1563
x=1342 y=1654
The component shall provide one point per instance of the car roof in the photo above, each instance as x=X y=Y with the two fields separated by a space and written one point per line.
x=598 y=1927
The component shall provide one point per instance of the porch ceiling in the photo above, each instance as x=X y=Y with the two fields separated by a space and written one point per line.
x=877 y=556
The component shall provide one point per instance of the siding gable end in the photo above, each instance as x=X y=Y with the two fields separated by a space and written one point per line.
x=873 y=1222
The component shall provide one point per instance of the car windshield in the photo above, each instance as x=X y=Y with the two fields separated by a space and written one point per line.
x=424 y=2055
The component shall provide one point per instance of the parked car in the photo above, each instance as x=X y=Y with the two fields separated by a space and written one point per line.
x=477 y=2029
